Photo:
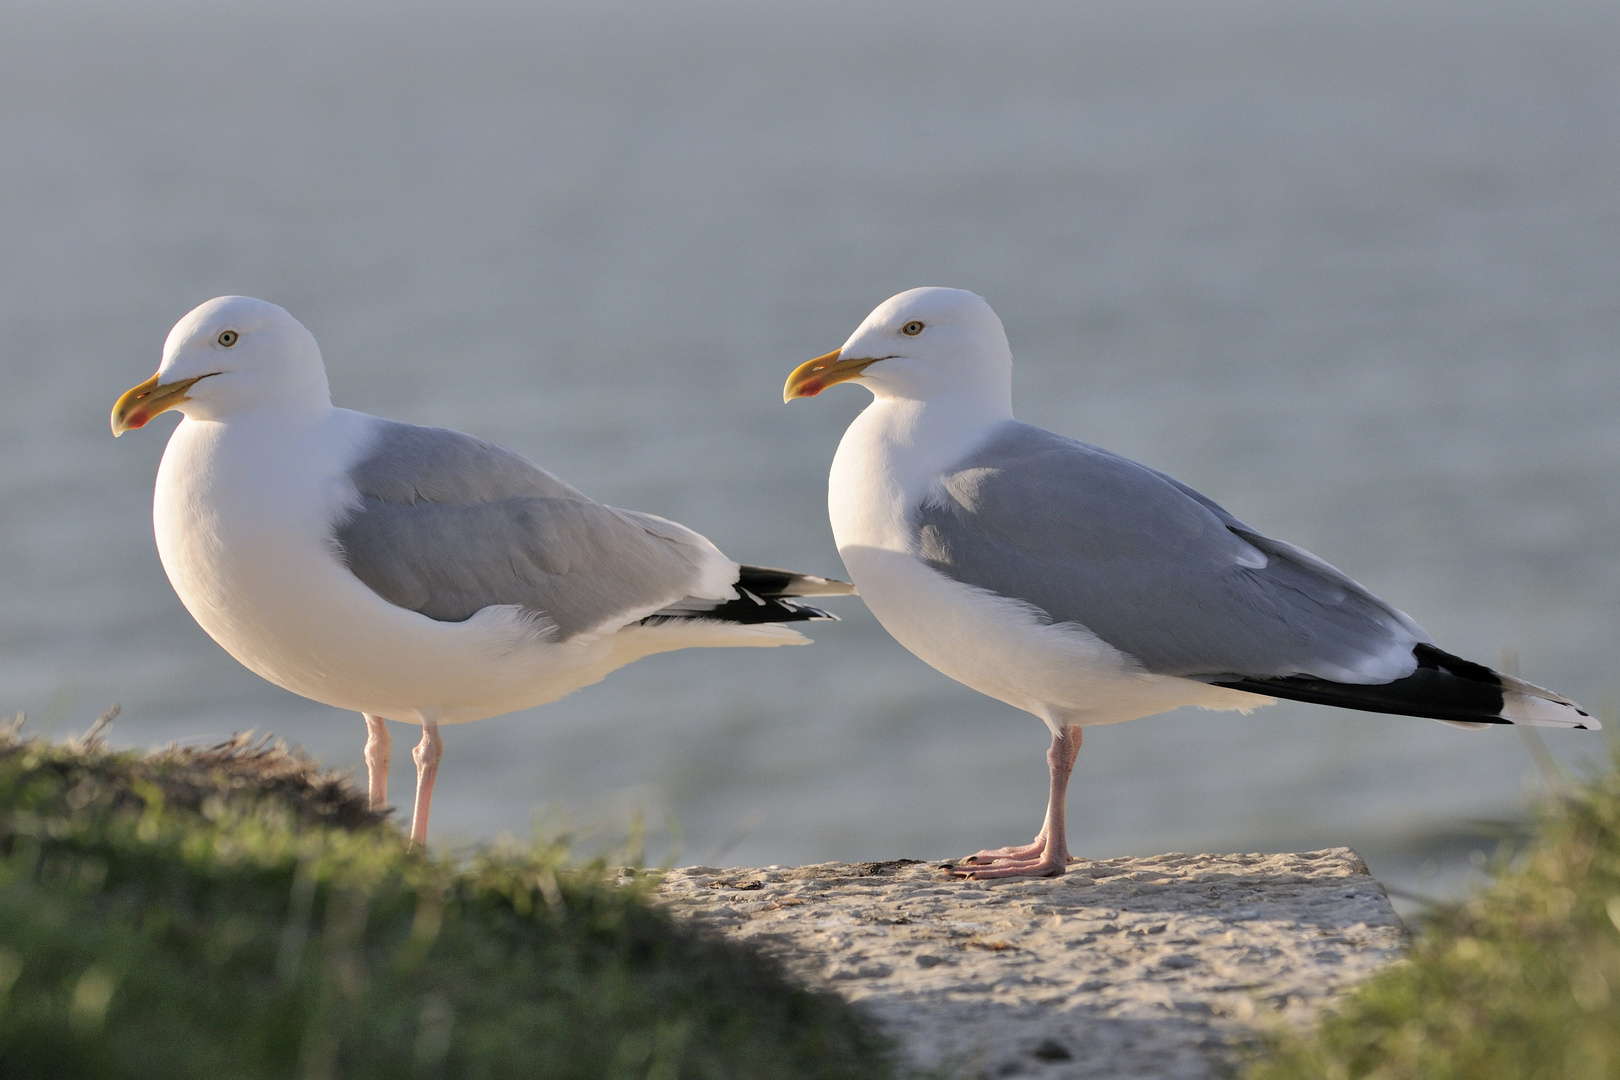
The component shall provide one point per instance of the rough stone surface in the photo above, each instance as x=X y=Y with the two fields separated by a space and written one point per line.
x=1158 y=967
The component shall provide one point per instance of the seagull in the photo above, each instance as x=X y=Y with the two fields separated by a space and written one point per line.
x=1082 y=587
x=410 y=573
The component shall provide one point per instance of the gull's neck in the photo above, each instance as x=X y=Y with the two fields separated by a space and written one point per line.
x=287 y=418
x=255 y=444
x=891 y=457
x=924 y=437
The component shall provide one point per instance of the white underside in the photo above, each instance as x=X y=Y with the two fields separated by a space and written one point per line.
x=243 y=514
x=1061 y=672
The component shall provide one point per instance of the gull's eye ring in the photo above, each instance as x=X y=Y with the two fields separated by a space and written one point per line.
x=227 y=338
x=912 y=328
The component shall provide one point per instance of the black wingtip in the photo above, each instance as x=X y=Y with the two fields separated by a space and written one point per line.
x=772 y=582
x=764 y=595
x=1443 y=687
x=748 y=609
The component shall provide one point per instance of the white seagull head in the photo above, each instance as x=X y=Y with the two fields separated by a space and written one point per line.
x=922 y=344
x=227 y=355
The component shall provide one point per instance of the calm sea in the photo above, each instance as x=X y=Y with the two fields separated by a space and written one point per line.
x=1349 y=268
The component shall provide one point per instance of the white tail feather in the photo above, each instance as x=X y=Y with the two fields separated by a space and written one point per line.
x=1527 y=703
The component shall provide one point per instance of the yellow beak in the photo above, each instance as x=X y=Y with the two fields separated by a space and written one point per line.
x=140 y=403
x=813 y=376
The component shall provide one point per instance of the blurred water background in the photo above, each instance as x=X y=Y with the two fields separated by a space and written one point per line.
x=1349 y=268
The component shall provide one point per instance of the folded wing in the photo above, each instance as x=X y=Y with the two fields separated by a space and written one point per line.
x=446 y=524
x=1154 y=569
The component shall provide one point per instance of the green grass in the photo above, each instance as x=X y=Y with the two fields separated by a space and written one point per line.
x=235 y=913
x=1522 y=981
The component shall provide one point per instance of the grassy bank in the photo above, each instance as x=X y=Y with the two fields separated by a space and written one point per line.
x=236 y=913
x=1521 y=982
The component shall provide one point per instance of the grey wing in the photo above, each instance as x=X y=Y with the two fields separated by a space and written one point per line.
x=446 y=524
x=1152 y=567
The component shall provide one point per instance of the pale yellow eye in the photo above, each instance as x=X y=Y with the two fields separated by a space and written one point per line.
x=227 y=338
x=912 y=328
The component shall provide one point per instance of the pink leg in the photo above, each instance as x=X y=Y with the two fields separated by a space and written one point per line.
x=379 y=747
x=426 y=755
x=1048 y=855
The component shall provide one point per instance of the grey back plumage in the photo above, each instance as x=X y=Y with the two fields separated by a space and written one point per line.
x=447 y=524
x=1152 y=567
